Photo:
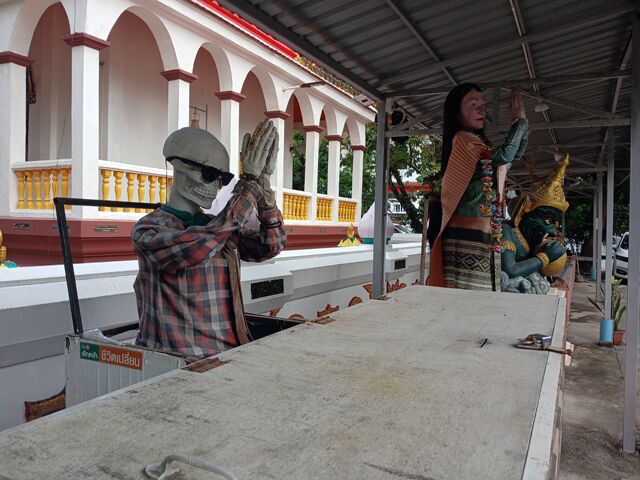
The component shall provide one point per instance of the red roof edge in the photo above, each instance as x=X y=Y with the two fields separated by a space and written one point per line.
x=213 y=7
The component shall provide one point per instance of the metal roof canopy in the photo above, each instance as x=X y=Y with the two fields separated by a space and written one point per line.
x=572 y=57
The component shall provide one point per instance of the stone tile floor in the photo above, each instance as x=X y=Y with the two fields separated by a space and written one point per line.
x=593 y=401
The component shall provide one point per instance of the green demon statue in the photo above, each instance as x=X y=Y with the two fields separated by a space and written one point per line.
x=531 y=246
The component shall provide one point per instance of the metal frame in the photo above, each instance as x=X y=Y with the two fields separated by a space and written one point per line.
x=65 y=243
x=381 y=88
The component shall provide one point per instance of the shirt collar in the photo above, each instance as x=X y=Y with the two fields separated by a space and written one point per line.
x=189 y=219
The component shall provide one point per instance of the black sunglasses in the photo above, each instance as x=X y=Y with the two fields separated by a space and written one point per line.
x=209 y=174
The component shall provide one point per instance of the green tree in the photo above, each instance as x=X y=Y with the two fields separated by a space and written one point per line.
x=420 y=156
x=298 y=160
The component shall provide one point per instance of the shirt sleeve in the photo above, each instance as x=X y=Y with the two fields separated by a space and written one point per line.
x=173 y=249
x=514 y=144
x=268 y=242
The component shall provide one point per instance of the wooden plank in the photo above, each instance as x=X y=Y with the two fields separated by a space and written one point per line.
x=391 y=389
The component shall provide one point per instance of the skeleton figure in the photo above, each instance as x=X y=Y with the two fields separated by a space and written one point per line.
x=188 y=286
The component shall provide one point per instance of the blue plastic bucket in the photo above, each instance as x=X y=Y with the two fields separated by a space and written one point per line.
x=606 y=331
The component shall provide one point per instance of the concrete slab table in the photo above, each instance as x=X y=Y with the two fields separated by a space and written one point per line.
x=403 y=388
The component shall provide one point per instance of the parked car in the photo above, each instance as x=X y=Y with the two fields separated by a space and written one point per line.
x=621 y=260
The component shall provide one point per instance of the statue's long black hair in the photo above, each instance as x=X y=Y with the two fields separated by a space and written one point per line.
x=451 y=119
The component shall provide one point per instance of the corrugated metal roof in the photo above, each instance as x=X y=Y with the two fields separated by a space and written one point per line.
x=387 y=46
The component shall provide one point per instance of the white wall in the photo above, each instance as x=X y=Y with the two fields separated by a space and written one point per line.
x=34 y=381
x=137 y=95
x=202 y=91
x=50 y=116
x=253 y=107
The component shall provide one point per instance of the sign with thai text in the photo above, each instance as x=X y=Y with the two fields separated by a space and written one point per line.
x=111 y=355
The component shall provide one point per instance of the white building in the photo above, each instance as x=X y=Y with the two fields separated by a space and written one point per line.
x=90 y=89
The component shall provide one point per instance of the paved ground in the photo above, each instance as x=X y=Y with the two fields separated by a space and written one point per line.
x=593 y=401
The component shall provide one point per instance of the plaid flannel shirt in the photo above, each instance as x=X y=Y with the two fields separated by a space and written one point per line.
x=183 y=287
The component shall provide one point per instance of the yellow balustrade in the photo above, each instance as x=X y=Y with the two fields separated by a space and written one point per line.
x=296 y=207
x=163 y=189
x=346 y=211
x=148 y=186
x=323 y=211
x=38 y=186
x=142 y=182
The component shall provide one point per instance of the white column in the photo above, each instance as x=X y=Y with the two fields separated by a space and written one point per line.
x=356 y=177
x=12 y=124
x=85 y=119
x=312 y=152
x=230 y=126
x=333 y=182
x=177 y=98
x=277 y=179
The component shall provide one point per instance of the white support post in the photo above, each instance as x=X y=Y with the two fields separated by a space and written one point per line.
x=356 y=177
x=85 y=119
x=12 y=125
x=609 y=229
x=178 y=104
x=333 y=182
x=230 y=127
x=633 y=284
x=312 y=152
x=380 y=213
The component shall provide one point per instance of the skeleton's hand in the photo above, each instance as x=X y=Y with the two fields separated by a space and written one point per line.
x=260 y=150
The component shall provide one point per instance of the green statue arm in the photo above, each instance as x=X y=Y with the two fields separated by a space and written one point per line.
x=514 y=144
x=524 y=268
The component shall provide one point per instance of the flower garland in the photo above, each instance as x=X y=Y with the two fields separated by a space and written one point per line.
x=491 y=204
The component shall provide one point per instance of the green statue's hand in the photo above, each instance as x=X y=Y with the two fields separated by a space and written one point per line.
x=554 y=250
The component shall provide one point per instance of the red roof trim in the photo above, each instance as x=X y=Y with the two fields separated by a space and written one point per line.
x=213 y=7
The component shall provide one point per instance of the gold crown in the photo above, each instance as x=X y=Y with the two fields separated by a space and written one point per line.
x=545 y=192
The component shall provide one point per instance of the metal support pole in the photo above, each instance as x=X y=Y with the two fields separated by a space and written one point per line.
x=380 y=212
x=633 y=284
x=609 y=231
x=594 y=233
x=423 y=245
x=598 y=249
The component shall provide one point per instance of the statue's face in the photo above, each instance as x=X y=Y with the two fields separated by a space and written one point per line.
x=539 y=224
x=472 y=110
x=190 y=184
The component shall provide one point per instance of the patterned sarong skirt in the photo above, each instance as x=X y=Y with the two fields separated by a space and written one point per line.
x=468 y=261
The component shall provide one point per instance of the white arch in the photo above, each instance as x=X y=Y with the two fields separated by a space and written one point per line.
x=223 y=65
x=158 y=29
x=310 y=107
x=18 y=22
x=335 y=120
x=356 y=131
x=269 y=88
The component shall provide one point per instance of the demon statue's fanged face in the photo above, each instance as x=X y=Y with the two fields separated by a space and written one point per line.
x=539 y=226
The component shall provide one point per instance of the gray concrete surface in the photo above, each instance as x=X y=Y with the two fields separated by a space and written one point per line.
x=593 y=401
x=425 y=385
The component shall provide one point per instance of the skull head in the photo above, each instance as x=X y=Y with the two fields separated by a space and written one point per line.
x=200 y=166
